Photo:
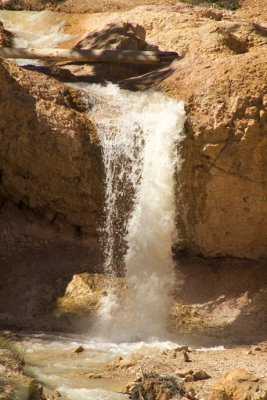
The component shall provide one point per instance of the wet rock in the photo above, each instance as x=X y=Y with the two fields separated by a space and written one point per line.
x=79 y=350
x=239 y=384
x=84 y=292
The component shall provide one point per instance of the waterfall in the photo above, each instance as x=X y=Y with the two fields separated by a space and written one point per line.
x=140 y=135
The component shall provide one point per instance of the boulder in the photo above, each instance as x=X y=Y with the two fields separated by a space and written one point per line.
x=84 y=292
x=79 y=349
x=239 y=384
x=120 y=36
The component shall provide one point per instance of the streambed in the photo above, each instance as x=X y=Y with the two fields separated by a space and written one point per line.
x=51 y=359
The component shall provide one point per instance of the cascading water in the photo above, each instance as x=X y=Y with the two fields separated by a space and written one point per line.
x=140 y=135
x=28 y=30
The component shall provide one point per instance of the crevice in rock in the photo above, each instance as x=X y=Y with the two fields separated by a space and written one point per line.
x=246 y=178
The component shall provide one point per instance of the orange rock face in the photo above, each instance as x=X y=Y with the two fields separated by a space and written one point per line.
x=50 y=160
x=225 y=169
x=222 y=79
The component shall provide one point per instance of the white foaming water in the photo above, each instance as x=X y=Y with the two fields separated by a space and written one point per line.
x=139 y=134
x=90 y=394
x=34 y=29
x=52 y=360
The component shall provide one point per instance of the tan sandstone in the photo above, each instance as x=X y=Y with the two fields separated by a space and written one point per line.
x=240 y=384
x=50 y=160
x=52 y=174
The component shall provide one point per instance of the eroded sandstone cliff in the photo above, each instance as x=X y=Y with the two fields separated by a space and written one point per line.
x=222 y=78
x=52 y=175
x=50 y=156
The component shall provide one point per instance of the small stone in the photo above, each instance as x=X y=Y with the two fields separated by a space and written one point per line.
x=186 y=356
x=79 y=350
x=201 y=375
x=258 y=348
x=189 y=378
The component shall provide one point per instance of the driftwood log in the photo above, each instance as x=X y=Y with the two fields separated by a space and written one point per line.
x=78 y=55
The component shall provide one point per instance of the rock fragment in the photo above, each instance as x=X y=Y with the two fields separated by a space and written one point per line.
x=79 y=350
x=201 y=375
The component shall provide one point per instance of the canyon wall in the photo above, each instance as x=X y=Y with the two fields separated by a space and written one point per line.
x=225 y=171
x=222 y=190
x=50 y=193
x=51 y=174
x=50 y=158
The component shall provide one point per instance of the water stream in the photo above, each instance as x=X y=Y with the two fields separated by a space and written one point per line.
x=51 y=359
x=140 y=135
x=34 y=29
